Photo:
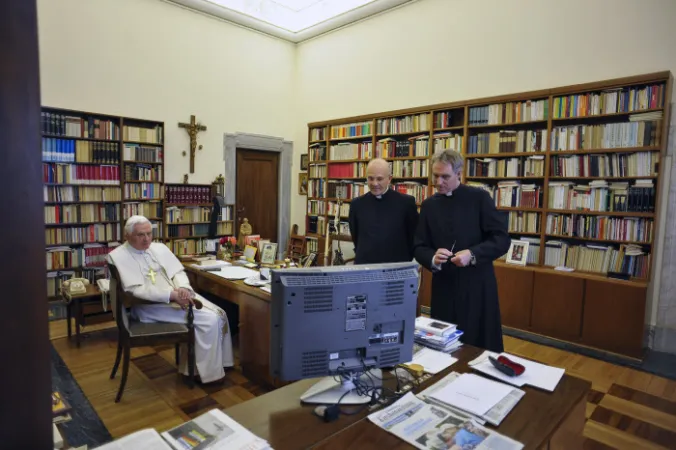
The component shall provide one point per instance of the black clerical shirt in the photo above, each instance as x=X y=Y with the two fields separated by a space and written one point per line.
x=383 y=228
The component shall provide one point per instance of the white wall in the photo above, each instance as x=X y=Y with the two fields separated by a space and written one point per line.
x=153 y=60
x=435 y=51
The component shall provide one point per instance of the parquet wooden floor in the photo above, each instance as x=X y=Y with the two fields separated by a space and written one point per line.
x=626 y=409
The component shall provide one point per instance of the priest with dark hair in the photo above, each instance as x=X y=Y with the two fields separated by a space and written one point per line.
x=459 y=235
x=382 y=221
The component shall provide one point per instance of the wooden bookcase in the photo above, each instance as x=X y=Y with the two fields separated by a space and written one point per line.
x=188 y=215
x=81 y=181
x=563 y=163
x=143 y=172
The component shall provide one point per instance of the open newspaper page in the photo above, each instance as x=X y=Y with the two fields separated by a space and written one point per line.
x=213 y=431
x=494 y=416
x=431 y=427
x=148 y=439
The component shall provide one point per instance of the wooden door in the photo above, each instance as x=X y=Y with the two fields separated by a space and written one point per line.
x=26 y=388
x=258 y=191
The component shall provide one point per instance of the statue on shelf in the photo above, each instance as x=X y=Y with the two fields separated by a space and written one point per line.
x=244 y=231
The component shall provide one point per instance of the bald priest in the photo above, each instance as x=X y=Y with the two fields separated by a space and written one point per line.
x=150 y=271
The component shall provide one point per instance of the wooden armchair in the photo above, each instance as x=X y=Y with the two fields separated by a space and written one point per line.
x=138 y=334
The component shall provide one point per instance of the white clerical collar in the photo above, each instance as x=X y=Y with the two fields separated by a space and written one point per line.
x=381 y=195
x=135 y=250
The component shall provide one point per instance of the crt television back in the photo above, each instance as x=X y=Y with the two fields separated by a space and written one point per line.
x=335 y=320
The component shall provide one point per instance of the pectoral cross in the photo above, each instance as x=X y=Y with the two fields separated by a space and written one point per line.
x=192 y=128
x=151 y=275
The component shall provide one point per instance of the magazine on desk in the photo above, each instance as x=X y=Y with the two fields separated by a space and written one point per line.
x=430 y=427
x=213 y=430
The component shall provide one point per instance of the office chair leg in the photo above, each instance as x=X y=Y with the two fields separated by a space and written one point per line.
x=117 y=360
x=125 y=372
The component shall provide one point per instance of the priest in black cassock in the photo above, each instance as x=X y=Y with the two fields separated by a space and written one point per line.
x=459 y=235
x=382 y=221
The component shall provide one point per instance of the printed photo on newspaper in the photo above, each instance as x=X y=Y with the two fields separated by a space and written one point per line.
x=431 y=427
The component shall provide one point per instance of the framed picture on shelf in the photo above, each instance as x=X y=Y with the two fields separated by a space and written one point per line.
x=269 y=253
x=304 y=161
x=518 y=253
x=302 y=183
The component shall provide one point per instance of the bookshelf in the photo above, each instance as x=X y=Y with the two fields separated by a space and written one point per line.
x=575 y=168
x=81 y=184
x=143 y=172
x=188 y=216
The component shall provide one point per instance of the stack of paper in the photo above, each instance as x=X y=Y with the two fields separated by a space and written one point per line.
x=433 y=361
x=536 y=374
x=494 y=416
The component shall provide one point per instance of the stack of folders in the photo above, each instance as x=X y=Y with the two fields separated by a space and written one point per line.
x=437 y=335
x=489 y=401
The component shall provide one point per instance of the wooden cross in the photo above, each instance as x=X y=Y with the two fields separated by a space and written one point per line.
x=192 y=128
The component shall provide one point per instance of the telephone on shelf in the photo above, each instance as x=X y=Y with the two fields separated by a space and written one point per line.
x=76 y=285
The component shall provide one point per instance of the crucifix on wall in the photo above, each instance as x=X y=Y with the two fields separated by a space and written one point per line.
x=192 y=128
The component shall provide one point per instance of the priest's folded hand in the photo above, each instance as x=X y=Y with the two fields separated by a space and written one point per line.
x=441 y=256
x=462 y=258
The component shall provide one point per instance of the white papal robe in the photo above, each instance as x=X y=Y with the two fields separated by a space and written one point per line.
x=137 y=268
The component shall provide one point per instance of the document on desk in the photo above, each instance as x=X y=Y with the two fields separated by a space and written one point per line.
x=433 y=361
x=430 y=427
x=235 y=273
x=472 y=393
x=537 y=375
x=494 y=416
x=211 y=265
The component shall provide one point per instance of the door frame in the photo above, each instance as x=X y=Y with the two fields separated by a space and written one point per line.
x=232 y=141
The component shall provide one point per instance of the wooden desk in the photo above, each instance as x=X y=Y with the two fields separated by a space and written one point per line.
x=254 y=321
x=541 y=420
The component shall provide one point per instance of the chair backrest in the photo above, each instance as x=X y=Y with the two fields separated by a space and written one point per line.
x=117 y=296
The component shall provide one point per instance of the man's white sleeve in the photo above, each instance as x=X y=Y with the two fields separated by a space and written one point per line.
x=181 y=280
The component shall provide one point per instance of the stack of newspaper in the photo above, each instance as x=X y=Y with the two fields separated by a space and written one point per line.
x=211 y=431
x=437 y=335
x=428 y=426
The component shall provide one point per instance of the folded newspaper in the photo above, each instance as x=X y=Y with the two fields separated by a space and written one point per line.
x=431 y=427
x=211 y=431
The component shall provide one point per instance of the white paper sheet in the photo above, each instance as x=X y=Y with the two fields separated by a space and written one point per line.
x=212 y=265
x=536 y=374
x=235 y=273
x=472 y=393
x=433 y=361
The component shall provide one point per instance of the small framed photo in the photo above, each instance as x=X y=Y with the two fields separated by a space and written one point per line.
x=269 y=253
x=302 y=183
x=518 y=253
x=250 y=253
x=304 y=159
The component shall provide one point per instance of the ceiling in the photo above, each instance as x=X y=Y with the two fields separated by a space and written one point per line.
x=292 y=20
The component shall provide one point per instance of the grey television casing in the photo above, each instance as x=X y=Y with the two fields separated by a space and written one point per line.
x=331 y=320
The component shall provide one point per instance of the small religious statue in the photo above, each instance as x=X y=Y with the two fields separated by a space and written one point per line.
x=244 y=231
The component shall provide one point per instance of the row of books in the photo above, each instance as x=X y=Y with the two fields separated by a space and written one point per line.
x=81 y=194
x=148 y=135
x=347 y=170
x=145 y=191
x=188 y=194
x=611 y=101
x=509 y=112
x=609 y=135
x=640 y=164
x=507 y=142
x=89 y=213
x=141 y=153
x=83 y=234
x=406 y=124
x=54 y=173
x=317 y=152
x=601 y=227
x=139 y=172
x=351 y=150
x=628 y=259
x=149 y=210
x=600 y=196
x=524 y=222
x=68 y=150
x=317 y=171
x=533 y=166
x=351 y=130
x=78 y=127
x=90 y=255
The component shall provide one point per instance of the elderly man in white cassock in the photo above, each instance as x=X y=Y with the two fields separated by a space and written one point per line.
x=150 y=271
